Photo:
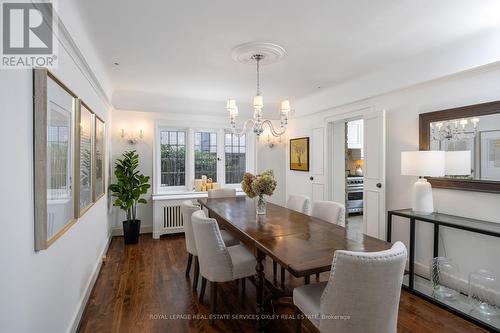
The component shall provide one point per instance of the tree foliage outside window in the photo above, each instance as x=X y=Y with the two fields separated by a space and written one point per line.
x=205 y=155
x=173 y=158
x=235 y=150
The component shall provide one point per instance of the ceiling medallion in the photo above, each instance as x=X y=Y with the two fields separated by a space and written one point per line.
x=258 y=53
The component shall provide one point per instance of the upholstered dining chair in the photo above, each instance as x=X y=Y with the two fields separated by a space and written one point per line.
x=298 y=203
x=365 y=286
x=222 y=193
x=187 y=210
x=219 y=263
x=330 y=211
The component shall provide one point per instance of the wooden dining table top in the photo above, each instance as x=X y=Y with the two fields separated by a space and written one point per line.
x=300 y=243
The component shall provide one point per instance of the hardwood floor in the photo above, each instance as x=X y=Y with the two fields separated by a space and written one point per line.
x=143 y=288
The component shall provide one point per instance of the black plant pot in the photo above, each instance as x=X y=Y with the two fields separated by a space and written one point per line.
x=131 y=231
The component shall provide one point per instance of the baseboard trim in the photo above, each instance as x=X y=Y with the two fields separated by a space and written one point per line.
x=118 y=231
x=90 y=285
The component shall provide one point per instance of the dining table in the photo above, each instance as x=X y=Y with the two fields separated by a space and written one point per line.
x=301 y=244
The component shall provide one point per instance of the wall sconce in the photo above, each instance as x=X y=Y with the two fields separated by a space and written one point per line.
x=131 y=138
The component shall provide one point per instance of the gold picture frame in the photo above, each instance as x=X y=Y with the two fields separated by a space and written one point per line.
x=299 y=154
x=54 y=133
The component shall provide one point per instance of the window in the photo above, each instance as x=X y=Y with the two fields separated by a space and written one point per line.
x=205 y=155
x=173 y=158
x=183 y=154
x=235 y=155
x=58 y=153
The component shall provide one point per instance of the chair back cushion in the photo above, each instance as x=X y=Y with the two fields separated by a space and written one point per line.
x=366 y=287
x=215 y=261
x=222 y=193
x=187 y=210
x=330 y=211
x=299 y=203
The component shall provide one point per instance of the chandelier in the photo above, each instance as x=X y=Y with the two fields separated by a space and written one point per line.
x=454 y=130
x=257 y=123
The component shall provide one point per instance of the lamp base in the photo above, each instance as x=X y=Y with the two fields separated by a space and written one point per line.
x=422 y=202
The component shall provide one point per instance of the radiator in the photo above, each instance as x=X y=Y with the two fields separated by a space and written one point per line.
x=172 y=217
x=167 y=217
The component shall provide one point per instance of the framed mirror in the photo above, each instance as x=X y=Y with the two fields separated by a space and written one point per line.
x=99 y=151
x=85 y=160
x=473 y=130
x=54 y=149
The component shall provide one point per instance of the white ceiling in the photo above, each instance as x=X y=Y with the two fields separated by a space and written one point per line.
x=175 y=56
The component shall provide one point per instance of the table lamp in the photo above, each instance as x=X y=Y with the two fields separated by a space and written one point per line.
x=458 y=163
x=429 y=163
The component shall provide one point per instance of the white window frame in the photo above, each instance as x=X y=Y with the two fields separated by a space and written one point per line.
x=250 y=151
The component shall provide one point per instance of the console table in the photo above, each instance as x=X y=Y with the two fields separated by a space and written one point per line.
x=421 y=286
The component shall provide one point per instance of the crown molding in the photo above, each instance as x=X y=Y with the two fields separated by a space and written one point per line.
x=68 y=43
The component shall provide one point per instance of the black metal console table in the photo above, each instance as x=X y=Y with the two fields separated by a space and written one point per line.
x=421 y=287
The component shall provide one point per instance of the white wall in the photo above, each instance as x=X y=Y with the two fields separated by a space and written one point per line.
x=42 y=291
x=272 y=158
x=403 y=107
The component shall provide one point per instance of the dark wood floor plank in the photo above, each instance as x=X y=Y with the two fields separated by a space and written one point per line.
x=142 y=287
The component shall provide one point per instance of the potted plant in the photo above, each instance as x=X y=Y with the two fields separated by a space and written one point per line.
x=256 y=186
x=129 y=187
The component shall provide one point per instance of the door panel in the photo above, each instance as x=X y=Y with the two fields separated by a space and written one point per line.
x=317 y=164
x=318 y=192
x=374 y=180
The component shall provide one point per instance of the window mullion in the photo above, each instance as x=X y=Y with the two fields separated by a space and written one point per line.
x=190 y=159
x=221 y=164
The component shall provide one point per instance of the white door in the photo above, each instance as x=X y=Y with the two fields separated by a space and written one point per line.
x=338 y=162
x=374 y=174
x=317 y=163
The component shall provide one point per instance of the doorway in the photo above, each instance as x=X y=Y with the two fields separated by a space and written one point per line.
x=348 y=152
x=357 y=169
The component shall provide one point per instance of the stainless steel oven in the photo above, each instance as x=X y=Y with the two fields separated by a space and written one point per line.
x=355 y=194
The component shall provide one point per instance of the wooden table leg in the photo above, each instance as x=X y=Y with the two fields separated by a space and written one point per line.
x=259 y=284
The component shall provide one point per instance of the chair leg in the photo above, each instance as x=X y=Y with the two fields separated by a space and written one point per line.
x=317 y=276
x=196 y=273
x=213 y=300
x=306 y=279
x=298 y=320
x=275 y=269
x=243 y=286
x=190 y=259
x=203 y=287
x=282 y=277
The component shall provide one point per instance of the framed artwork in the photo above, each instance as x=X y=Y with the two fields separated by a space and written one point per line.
x=86 y=139
x=490 y=154
x=99 y=153
x=54 y=131
x=299 y=154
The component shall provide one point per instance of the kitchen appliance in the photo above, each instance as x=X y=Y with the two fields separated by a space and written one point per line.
x=354 y=194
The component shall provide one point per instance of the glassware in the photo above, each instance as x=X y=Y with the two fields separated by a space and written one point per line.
x=481 y=292
x=444 y=275
x=260 y=205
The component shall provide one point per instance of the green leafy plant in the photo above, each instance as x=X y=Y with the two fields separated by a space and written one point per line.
x=130 y=184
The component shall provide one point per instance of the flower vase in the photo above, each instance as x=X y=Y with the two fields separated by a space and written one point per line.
x=260 y=205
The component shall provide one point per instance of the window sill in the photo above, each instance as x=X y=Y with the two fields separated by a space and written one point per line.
x=185 y=195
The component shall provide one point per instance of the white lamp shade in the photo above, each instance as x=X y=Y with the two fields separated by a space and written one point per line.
x=428 y=163
x=285 y=106
x=258 y=102
x=231 y=104
x=234 y=112
x=458 y=163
